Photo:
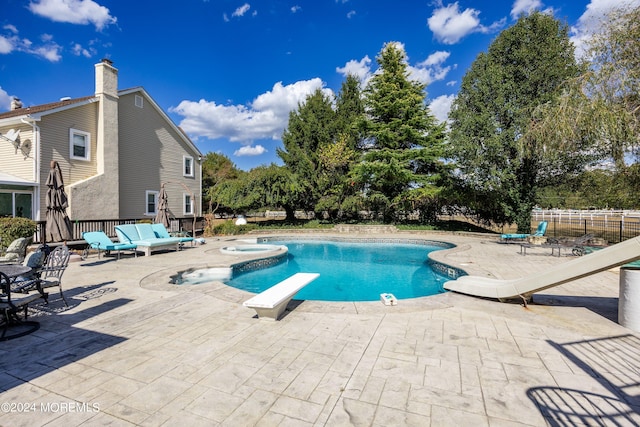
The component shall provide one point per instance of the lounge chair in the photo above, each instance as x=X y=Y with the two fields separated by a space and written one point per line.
x=161 y=232
x=540 y=231
x=145 y=238
x=100 y=241
x=16 y=251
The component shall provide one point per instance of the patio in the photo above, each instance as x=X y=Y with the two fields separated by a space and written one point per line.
x=133 y=349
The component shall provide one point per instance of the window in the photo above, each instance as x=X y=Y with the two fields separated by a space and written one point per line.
x=16 y=204
x=188 y=205
x=80 y=144
x=188 y=166
x=151 y=203
x=139 y=101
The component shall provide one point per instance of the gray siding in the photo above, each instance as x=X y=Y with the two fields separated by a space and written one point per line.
x=54 y=145
x=151 y=153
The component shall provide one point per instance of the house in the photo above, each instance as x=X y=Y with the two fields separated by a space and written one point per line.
x=115 y=149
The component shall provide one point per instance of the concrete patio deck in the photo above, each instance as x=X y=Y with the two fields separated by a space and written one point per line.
x=133 y=349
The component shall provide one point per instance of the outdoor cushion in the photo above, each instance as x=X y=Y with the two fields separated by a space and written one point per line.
x=143 y=236
x=161 y=231
x=100 y=241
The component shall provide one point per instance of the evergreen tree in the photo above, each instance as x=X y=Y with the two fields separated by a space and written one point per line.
x=402 y=142
x=310 y=127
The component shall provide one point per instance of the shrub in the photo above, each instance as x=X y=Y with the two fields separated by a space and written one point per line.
x=229 y=228
x=14 y=228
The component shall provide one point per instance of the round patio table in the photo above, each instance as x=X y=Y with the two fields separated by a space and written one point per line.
x=13 y=326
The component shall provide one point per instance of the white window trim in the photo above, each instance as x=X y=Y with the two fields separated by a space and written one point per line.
x=156 y=195
x=193 y=166
x=87 y=136
x=184 y=204
x=139 y=101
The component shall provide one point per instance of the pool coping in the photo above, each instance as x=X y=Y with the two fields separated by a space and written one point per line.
x=159 y=279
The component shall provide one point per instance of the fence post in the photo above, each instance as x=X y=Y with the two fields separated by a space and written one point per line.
x=585 y=227
x=620 y=240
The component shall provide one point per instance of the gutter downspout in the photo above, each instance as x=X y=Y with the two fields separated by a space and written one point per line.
x=36 y=165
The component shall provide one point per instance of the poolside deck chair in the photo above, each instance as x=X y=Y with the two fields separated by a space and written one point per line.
x=16 y=251
x=100 y=241
x=540 y=231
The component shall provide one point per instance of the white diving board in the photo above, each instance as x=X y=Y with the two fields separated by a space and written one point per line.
x=271 y=303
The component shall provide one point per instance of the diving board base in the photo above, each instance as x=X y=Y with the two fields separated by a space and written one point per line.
x=271 y=303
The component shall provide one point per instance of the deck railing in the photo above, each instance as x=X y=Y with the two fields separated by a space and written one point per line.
x=108 y=226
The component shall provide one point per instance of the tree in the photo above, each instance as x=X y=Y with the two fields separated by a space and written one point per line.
x=402 y=142
x=523 y=68
x=602 y=105
x=216 y=169
x=310 y=127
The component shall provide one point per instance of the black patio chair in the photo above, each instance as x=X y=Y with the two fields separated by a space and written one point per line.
x=52 y=271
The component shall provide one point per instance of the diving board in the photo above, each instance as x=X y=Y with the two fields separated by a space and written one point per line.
x=271 y=303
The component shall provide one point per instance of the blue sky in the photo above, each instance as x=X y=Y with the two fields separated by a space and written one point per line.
x=230 y=71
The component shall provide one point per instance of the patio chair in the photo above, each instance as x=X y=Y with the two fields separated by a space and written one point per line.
x=51 y=274
x=16 y=251
x=100 y=241
x=34 y=260
x=540 y=231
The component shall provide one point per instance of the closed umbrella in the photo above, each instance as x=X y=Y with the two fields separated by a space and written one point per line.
x=162 y=217
x=58 y=227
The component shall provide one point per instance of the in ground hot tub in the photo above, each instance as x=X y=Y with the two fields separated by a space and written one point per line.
x=251 y=249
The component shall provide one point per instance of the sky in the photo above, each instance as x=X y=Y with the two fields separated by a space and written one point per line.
x=229 y=72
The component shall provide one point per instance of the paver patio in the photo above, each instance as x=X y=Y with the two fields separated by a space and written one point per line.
x=133 y=349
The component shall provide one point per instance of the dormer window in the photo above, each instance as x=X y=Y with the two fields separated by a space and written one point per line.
x=187 y=169
x=79 y=145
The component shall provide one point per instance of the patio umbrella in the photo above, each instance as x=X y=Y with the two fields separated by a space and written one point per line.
x=162 y=217
x=58 y=225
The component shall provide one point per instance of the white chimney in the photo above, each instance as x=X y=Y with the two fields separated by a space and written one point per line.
x=106 y=78
x=16 y=104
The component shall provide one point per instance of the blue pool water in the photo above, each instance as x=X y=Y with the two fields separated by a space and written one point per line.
x=350 y=271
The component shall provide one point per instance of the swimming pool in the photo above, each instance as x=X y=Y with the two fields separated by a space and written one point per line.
x=351 y=270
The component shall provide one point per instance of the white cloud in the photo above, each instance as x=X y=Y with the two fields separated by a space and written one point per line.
x=441 y=106
x=7 y=45
x=524 y=6
x=48 y=50
x=360 y=69
x=450 y=25
x=265 y=118
x=82 y=12
x=431 y=69
x=11 y=28
x=295 y=8
x=241 y=10
x=351 y=14
x=78 y=50
x=249 y=150
x=5 y=100
x=591 y=21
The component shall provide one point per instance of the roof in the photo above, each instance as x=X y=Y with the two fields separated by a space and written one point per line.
x=44 y=107
x=70 y=103
x=7 y=179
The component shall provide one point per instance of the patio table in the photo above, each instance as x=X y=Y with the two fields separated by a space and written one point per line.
x=8 y=311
